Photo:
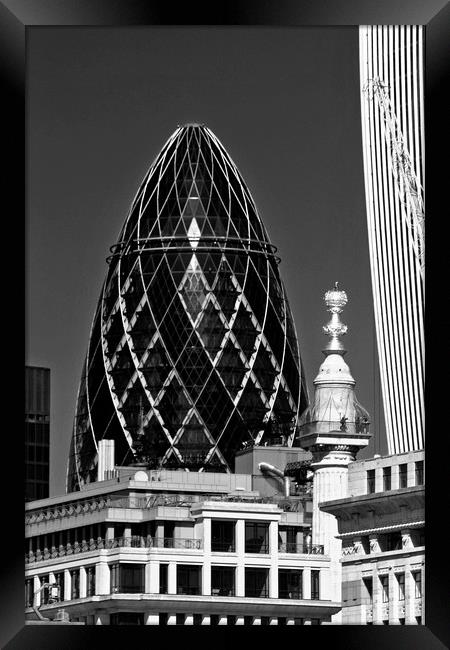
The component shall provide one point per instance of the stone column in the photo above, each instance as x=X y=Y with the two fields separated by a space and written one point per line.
x=36 y=586
x=152 y=577
x=172 y=578
x=82 y=582
x=172 y=619
x=239 y=620
x=256 y=620
x=393 y=599
x=273 y=549
x=273 y=620
x=150 y=618
x=307 y=583
x=378 y=479
x=68 y=585
x=189 y=619
x=240 y=551
x=206 y=620
x=206 y=569
x=102 y=578
x=223 y=620
x=395 y=477
x=306 y=621
x=410 y=617
x=290 y=621
x=376 y=598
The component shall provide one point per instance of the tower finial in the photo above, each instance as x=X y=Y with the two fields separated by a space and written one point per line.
x=335 y=299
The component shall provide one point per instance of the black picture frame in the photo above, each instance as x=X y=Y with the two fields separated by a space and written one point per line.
x=17 y=17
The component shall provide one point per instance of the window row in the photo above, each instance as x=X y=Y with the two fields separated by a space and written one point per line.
x=398 y=586
x=402 y=477
x=130 y=579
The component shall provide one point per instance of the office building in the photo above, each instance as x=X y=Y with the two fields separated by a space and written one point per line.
x=391 y=74
x=162 y=547
x=37 y=432
x=382 y=530
x=193 y=352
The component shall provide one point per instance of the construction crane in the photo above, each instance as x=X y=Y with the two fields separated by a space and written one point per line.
x=409 y=188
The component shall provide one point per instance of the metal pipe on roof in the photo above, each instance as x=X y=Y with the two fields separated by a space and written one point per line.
x=277 y=473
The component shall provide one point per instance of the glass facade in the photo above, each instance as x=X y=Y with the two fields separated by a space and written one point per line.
x=193 y=351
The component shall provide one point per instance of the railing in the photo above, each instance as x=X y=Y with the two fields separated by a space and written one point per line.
x=305 y=549
x=256 y=547
x=222 y=546
x=189 y=591
x=100 y=543
x=223 y=591
x=353 y=428
x=294 y=594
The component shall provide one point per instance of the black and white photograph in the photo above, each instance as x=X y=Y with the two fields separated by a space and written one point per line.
x=224 y=326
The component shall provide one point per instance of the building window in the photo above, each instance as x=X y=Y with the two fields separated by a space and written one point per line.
x=214 y=619
x=197 y=619
x=384 y=582
x=315 y=621
x=370 y=481
x=127 y=618
x=75 y=584
x=163 y=616
x=163 y=578
x=403 y=475
x=231 y=619
x=59 y=580
x=257 y=583
x=90 y=581
x=222 y=536
x=248 y=620
x=393 y=541
x=368 y=590
x=282 y=620
x=256 y=537
x=315 y=585
x=127 y=578
x=188 y=579
x=290 y=584
x=419 y=472
x=386 y=479
x=417 y=577
x=401 y=586
x=29 y=592
x=265 y=620
x=180 y=618
x=222 y=581
x=45 y=593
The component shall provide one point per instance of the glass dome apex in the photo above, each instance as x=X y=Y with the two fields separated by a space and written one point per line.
x=193 y=349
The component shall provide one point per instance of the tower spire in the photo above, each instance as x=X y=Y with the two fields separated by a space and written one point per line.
x=335 y=301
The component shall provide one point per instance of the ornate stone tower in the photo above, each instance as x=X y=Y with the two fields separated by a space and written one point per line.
x=334 y=429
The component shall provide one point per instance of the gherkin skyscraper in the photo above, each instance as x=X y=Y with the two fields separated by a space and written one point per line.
x=193 y=351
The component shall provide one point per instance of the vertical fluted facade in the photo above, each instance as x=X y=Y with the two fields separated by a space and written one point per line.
x=193 y=350
x=394 y=56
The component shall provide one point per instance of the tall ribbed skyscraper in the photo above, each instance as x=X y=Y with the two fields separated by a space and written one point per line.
x=193 y=350
x=391 y=75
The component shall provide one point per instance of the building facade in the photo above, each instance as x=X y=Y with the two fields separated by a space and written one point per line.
x=391 y=75
x=161 y=547
x=193 y=350
x=37 y=432
x=382 y=529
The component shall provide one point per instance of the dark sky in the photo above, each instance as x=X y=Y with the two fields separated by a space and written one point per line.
x=285 y=105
